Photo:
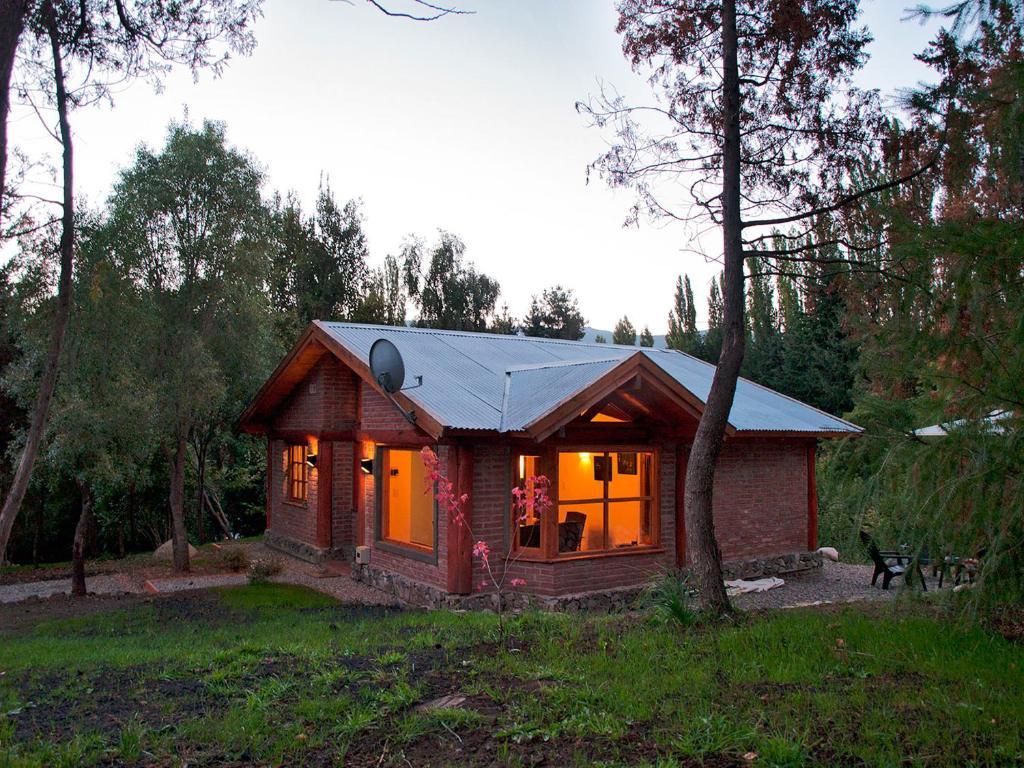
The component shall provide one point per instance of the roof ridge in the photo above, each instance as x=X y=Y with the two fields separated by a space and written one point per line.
x=559 y=364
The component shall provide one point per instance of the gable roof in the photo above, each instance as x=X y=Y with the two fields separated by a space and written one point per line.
x=490 y=382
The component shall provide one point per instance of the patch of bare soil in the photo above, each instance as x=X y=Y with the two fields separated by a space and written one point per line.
x=21 y=616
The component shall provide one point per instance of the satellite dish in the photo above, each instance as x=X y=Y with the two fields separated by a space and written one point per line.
x=386 y=366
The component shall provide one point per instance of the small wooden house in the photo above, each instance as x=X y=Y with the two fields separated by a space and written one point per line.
x=610 y=427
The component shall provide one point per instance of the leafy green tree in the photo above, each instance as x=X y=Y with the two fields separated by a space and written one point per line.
x=556 y=315
x=504 y=323
x=646 y=338
x=600 y=339
x=188 y=226
x=624 y=332
x=682 y=320
x=448 y=292
x=383 y=300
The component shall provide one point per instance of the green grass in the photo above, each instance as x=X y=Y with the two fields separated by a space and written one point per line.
x=280 y=675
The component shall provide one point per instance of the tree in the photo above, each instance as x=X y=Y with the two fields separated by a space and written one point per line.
x=330 y=265
x=646 y=339
x=188 y=226
x=767 y=130
x=556 y=315
x=383 y=300
x=107 y=40
x=450 y=293
x=624 y=332
x=600 y=339
x=682 y=320
x=504 y=323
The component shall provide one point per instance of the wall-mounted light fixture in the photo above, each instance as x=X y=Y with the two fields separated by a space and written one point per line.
x=366 y=465
x=311 y=460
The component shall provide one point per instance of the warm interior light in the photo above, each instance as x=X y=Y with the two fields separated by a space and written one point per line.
x=584 y=458
x=522 y=466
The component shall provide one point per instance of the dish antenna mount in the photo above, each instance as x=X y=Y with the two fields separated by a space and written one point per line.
x=388 y=371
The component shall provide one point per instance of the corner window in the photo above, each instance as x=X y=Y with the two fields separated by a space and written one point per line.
x=527 y=519
x=296 y=472
x=406 y=503
x=606 y=501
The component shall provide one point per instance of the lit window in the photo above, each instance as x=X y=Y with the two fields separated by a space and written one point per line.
x=526 y=517
x=606 y=501
x=406 y=503
x=296 y=469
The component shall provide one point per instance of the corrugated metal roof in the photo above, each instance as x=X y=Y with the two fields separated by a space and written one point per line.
x=504 y=383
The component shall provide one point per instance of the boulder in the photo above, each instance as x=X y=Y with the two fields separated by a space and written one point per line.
x=165 y=552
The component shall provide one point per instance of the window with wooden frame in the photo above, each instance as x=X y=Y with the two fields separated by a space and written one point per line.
x=526 y=522
x=296 y=472
x=406 y=504
x=606 y=500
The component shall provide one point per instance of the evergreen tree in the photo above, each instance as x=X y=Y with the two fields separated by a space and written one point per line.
x=682 y=321
x=764 y=346
x=504 y=323
x=646 y=338
x=624 y=332
x=556 y=315
x=711 y=347
x=383 y=300
x=600 y=339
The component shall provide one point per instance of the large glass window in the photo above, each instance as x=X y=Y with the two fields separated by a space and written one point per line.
x=526 y=517
x=296 y=472
x=407 y=505
x=606 y=501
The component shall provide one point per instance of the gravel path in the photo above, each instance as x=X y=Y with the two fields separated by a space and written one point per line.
x=107 y=584
x=834 y=583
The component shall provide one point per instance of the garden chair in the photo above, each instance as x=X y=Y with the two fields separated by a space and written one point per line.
x=889 y=564
x=570 y=533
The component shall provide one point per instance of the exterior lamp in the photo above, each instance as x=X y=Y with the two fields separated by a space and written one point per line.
x=366 y=465
x=311 y=460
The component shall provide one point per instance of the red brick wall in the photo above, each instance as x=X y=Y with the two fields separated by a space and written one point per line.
x=325 y=401
x=379 y=413
x=761 y=498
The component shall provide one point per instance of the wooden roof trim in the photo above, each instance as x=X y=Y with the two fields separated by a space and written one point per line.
x=635 y=365
x=247 y=421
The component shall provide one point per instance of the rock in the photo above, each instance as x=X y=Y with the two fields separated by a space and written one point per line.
x=165 y=552
x=829 y=552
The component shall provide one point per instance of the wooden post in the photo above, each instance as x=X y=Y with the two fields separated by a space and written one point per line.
x=682 y=457
x=268 y=483
x=324 y=493
x=357 y=493
x=460 y=545
x=812 y=499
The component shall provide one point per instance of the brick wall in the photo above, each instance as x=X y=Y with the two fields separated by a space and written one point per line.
x=761 y=498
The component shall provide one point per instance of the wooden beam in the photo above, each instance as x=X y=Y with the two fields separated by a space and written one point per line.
x=268 y=482
x=358 y=480
x=812 y=499
x=324 y=494
x=407 y=437
x=460 y=546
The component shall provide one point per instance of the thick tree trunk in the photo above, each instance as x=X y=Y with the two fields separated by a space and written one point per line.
x=78 y=547
x=12 y=23
x=37 y=425
x=706 y=560
x=179 y=534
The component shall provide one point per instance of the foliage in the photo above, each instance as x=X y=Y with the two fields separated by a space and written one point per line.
x=448 y=292
x=556 y=315
x=646 y=337
x=673 y=600
x=261 y=569
x=624 y=332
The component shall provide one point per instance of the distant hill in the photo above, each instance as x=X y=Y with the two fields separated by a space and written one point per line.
x=591 y=333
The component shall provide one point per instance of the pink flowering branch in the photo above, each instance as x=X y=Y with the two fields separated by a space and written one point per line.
x=533 y=499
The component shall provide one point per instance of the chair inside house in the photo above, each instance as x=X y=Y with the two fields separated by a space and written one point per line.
x=570 y=532
x=889 y=564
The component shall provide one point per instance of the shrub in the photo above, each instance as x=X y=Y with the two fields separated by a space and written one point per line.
x=672 y=599
x=262 y=568
x=235 y=559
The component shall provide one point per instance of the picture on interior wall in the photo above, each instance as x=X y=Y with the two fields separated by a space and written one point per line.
x=627 y=463
x=602 y=468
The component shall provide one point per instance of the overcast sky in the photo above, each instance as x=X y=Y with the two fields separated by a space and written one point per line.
x=466 y=124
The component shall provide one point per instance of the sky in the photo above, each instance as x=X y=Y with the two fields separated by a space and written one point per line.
x=466 y=124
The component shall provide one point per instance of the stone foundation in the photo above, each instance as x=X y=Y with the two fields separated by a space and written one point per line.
x=301 y=550
x=422 y=595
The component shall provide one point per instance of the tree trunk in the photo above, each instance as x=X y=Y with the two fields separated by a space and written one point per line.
x=16 y=494
x=706 y=561
x=12 y=24
x=78 y=547
x=201 y=449
x=179 y=534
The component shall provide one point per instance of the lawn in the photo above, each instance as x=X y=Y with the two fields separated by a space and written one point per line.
x=274 y=674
